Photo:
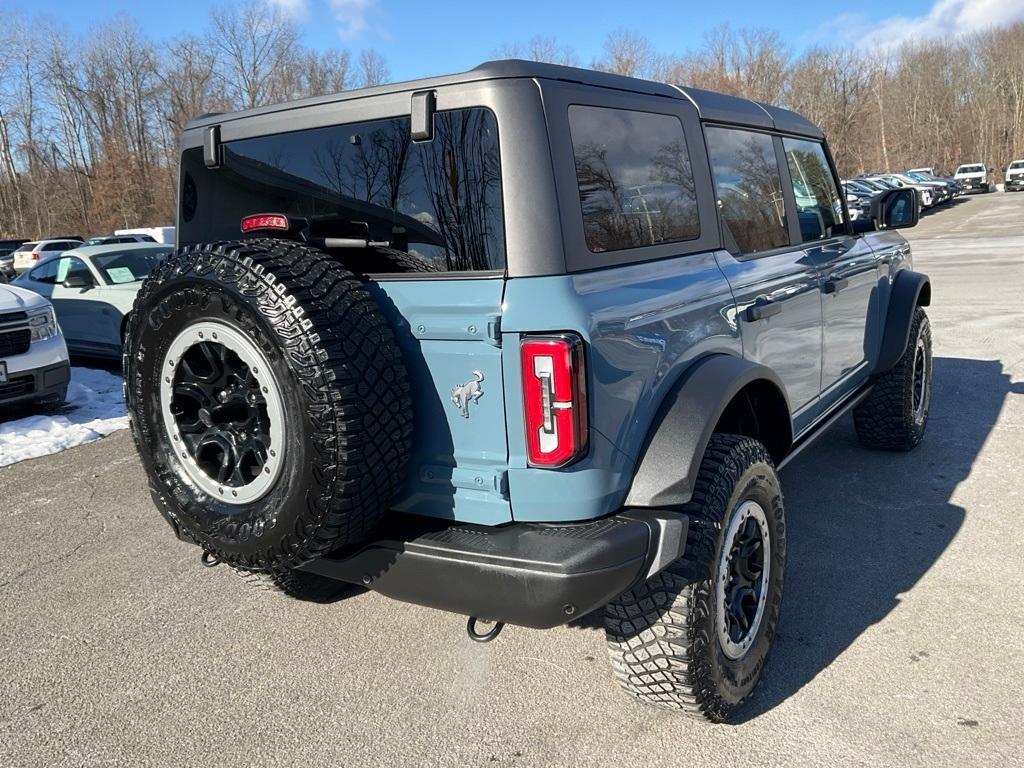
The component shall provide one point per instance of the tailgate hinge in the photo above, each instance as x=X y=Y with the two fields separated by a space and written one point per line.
x=494 y=330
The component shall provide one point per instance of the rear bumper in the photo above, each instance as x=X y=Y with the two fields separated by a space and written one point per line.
x=531 y=574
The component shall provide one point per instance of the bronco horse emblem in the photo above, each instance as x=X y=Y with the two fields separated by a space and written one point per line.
x=467 y=393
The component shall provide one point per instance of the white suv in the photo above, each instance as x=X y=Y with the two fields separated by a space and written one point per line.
x=25 y=258
x=34 y=364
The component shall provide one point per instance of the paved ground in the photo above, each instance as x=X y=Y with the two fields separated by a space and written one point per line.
x=901 y=640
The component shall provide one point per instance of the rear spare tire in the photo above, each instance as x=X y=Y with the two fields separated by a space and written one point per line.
x=268 y=401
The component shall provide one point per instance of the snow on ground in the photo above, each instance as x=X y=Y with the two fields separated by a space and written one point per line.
x=94 y=409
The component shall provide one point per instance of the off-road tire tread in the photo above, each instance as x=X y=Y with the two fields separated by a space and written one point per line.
x=885 y=419
x=658 y=648
x=346 y=358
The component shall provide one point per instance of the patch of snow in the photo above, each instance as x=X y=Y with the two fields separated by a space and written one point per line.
x=94 y=408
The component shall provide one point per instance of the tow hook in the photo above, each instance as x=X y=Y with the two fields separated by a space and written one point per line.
x=209 y=559
x=483 y=637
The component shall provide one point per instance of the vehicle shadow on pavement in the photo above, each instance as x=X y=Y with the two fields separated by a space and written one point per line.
x=864 y=526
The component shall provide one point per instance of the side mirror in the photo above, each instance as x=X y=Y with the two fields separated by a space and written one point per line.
x=896 y=209
x=78 y=281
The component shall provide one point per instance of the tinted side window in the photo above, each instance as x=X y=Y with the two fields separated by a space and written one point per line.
x=439 y=200
x=749 y=188
x=817 y=200
x=45 y=272
x=69 y=266
x=635 y=182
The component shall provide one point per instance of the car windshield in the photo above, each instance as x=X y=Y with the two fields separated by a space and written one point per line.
x=129 y=266
x=971 y=169
x=1016 y=165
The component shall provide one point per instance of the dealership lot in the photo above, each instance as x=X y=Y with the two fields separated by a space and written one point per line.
x=900 y=642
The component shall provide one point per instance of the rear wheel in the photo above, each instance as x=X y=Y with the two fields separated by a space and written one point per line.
x=269 y=401
x=695 y=637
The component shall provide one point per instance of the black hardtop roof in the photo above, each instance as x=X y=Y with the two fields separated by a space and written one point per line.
x=712 y=106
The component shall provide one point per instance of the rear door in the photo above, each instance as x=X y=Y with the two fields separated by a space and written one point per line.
x=437 y=204
x=776 y=284
x=849 y=269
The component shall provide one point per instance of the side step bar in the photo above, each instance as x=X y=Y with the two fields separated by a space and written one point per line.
x=530 y=574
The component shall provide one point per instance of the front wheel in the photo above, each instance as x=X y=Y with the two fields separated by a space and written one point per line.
x=894 y=416
x=695 y=637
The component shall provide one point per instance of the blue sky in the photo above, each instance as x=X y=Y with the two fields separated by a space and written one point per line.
x=427 y=37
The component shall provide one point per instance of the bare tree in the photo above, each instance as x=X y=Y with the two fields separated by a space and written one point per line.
x=371 y=69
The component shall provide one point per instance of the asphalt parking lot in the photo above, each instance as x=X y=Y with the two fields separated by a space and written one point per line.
x=901 y=640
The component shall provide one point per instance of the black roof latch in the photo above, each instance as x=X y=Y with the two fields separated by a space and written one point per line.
x=211 y=147
x=423 y=105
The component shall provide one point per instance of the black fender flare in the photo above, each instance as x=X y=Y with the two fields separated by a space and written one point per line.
x=682 y=427
x=909 y=291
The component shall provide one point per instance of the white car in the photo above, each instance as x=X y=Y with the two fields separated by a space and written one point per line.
x=93 y=289
x=34 y=364
x=119 y=239
x=26 y=258
x=973 y=177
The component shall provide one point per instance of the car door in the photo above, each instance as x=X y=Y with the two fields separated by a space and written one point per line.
x=775 y=283
x=849 y=269
x=75 y=307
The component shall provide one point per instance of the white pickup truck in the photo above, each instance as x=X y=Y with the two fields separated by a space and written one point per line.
x=973 y=177
x=34 y=366
x=1015 y=176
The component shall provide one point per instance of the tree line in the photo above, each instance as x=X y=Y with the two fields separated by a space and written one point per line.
x=89 y=127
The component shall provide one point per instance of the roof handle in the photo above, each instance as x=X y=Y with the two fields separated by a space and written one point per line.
x=424 y=103
x=211 y=147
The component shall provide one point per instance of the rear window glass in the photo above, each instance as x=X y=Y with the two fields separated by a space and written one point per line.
x=439 y=201
x=635 y=181
x=749 y=188
x=971 y=169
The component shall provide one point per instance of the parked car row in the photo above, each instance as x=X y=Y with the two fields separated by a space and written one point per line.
x=65 y=294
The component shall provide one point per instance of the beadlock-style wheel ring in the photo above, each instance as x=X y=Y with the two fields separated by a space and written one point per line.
x=742 y=578
x=222 y=409
x=921 y=380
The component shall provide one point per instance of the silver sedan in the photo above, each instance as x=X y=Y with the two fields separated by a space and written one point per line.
x=93 y=289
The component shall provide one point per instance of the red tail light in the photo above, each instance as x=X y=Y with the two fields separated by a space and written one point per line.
x=554 y=399
x=34 y=255
x=260 y=221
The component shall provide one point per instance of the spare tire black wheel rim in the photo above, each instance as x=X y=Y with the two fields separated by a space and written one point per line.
x=744 y=570
x=222 y=408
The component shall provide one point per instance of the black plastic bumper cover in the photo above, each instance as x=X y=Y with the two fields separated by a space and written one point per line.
x=530 y=574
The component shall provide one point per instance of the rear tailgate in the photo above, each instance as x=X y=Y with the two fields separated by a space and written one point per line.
x=449 y=334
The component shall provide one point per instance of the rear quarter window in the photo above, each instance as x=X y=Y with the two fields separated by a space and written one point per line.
x=635 y=181
x=439 y=201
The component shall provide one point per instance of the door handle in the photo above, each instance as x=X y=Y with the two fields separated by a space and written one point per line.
x=836 y=285
x=761 y=309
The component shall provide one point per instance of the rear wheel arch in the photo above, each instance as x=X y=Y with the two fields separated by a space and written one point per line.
x=719 y=393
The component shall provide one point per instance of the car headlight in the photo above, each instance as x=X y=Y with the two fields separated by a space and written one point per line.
x=43 y=323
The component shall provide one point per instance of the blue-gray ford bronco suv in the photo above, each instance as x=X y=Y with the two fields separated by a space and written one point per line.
x=524 y=343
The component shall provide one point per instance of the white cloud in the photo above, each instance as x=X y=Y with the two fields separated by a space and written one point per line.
x=297 y=9
x=945 y=18
x=353 y=16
